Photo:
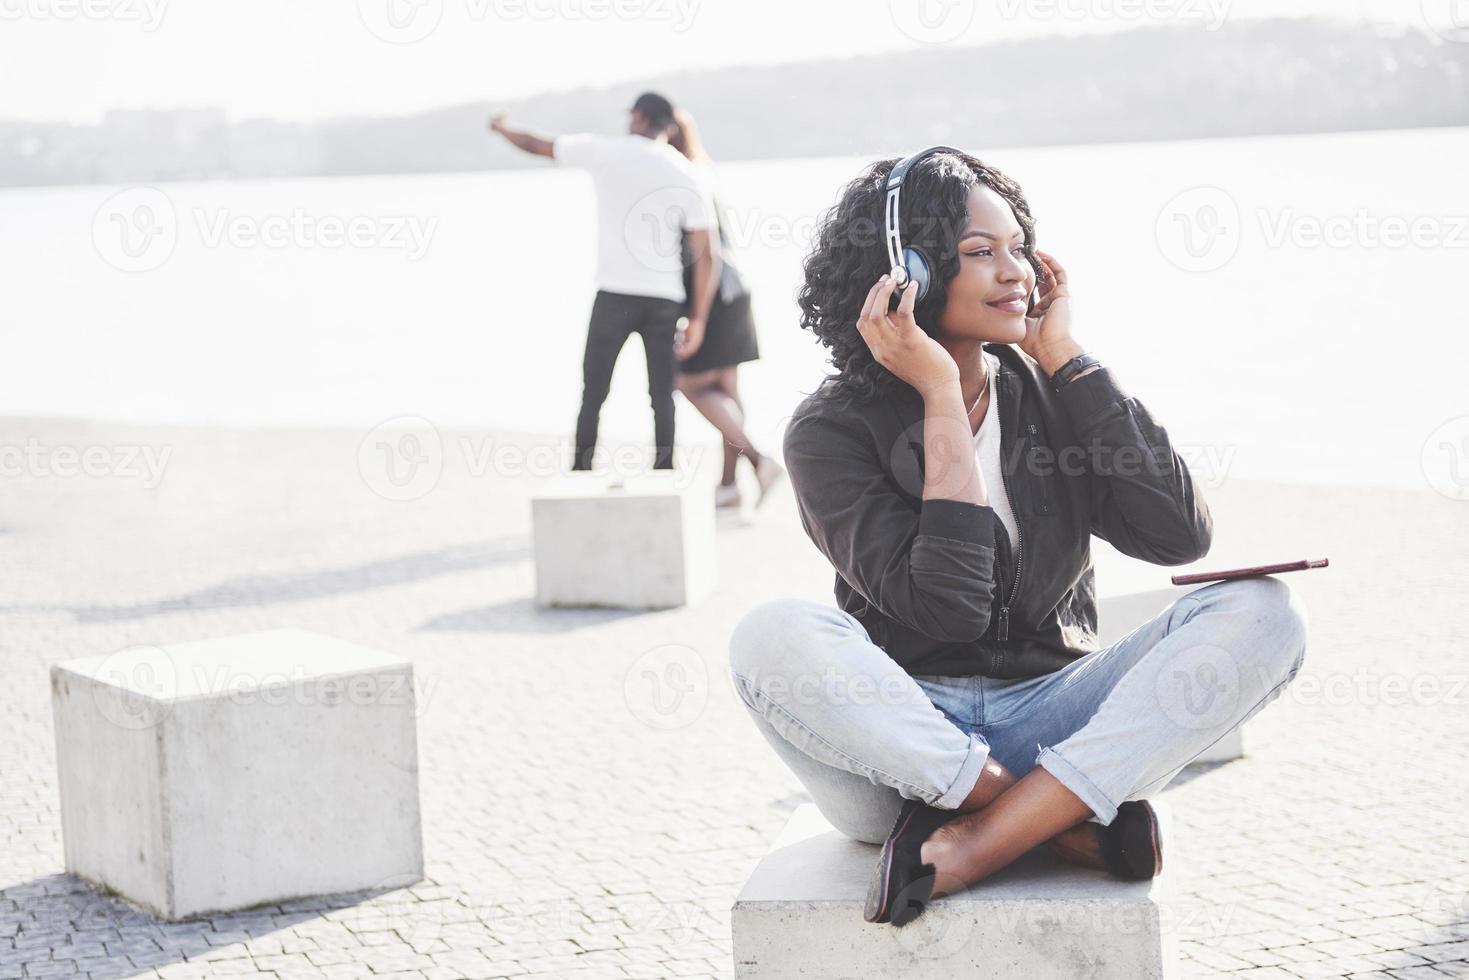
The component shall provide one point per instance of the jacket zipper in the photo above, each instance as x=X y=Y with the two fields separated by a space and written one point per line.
x=1003 y=633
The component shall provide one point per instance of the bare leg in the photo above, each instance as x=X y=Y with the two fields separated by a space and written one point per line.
x=1015 y=818
x=1078 y=843
x=705 y=391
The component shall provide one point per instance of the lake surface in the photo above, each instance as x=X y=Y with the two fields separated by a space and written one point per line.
x=1289 y=307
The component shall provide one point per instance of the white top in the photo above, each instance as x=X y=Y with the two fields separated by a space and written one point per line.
x=647 y=193
x=987 y=452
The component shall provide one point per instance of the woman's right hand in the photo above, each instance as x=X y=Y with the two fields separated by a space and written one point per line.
x=899 y=344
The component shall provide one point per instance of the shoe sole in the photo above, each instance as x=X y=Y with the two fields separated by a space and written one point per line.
x=876 y=908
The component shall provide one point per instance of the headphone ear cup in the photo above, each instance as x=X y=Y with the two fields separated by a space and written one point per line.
x=918 y=270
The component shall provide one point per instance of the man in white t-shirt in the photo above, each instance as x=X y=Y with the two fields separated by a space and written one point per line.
x=648 y=198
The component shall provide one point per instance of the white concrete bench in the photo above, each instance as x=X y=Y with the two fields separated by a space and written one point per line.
x=1119 y=615
x=225 y=773
x=800 y=916
x=646 y=545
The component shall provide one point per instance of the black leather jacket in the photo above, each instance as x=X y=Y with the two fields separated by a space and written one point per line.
x=938 y=584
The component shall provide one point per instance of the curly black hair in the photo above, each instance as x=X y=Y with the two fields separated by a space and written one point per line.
x=850 y=254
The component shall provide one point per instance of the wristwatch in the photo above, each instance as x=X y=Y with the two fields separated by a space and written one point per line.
x=1066 y=372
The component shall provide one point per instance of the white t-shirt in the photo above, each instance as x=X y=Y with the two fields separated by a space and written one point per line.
x=647 y=193
x=987 y=451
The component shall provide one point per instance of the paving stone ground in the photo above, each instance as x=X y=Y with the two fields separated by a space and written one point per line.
x=580 y=821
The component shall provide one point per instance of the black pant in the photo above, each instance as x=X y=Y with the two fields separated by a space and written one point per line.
x=614 y=317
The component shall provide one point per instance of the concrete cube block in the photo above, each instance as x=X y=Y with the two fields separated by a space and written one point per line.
x=1118 y=615
x=225 y=773
x=800 y=916
x=648 y=544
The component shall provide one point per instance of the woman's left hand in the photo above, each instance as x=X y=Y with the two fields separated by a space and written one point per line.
x=1049 y=324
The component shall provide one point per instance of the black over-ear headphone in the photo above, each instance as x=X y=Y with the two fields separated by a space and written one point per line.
x=911 y=263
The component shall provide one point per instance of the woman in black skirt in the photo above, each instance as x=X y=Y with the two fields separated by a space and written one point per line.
x=708 y=373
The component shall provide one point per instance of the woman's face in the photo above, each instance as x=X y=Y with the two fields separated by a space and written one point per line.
x=987 y=299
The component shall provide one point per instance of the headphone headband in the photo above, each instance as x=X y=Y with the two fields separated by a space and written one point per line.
x=891 y=228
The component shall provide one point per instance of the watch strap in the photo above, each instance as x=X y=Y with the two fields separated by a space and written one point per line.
x=1066 y=372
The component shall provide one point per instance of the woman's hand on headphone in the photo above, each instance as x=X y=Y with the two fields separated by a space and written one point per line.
x=899 y=344
x=1050 y=322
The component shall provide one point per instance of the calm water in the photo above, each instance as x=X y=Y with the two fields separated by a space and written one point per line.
x=464 y=298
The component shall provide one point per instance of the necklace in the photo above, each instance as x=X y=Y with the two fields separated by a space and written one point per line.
x=985 y=387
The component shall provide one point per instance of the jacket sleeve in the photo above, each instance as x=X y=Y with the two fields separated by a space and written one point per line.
x=1144 y=501
x=931 y=570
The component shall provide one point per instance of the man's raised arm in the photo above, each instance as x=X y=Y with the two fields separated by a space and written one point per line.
x=526 y=140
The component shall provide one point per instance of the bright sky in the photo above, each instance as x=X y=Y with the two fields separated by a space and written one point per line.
x=302 y=59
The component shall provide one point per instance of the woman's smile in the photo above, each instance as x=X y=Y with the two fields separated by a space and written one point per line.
x=1013 y=302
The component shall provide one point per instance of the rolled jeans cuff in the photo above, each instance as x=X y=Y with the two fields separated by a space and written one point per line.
x=1073 y=779
x=979 y=752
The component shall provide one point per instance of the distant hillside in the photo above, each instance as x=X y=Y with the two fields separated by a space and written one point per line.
x=1248 y=78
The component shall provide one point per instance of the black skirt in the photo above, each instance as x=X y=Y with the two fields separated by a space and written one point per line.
x=729 y=337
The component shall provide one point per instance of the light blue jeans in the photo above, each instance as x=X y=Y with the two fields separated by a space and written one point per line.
x=862 y=734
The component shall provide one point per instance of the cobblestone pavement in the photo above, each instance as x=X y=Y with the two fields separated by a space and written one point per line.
x=570 y=832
